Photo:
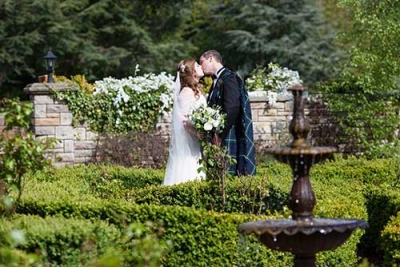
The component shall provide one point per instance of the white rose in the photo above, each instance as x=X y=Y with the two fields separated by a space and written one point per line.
x=215 y=123
x=208 y=126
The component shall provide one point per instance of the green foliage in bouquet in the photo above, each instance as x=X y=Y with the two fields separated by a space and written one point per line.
x=210 y=121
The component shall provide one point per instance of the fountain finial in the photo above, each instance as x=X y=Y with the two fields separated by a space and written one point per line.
x=299 y=126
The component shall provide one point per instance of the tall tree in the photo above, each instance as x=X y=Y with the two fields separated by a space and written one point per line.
x=97 y=38
x=366 y=92
x=100 y=38
x=256 y=32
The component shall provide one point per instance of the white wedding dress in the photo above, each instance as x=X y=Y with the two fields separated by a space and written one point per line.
x=184 y=149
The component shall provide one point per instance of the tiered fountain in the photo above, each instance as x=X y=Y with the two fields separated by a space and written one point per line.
x=303 y=235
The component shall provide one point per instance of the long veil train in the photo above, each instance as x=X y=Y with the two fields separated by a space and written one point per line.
x=184 y=149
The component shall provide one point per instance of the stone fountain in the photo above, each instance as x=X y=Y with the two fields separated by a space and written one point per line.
x=302 y=235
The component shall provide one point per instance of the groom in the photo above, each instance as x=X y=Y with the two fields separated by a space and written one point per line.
x=228 y=92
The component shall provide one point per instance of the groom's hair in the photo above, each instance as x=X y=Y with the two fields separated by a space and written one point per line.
x=214 y=53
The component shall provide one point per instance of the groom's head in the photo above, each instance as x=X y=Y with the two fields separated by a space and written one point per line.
x=211 y=61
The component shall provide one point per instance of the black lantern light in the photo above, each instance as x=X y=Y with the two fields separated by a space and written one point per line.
x=50 y=60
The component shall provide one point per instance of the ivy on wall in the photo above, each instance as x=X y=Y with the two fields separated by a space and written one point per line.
x=120 y=105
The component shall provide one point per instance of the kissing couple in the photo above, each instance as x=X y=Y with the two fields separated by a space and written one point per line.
x=228 y=93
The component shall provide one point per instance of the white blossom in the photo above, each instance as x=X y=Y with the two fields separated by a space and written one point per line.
x=208 y=126
x=274 y=83
x=145 y=84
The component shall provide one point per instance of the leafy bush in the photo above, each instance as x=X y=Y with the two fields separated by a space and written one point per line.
x=382 y=203
x=390 y=242
x=199 y=238
x=79 y=80
x=21 y=152
x=93 y=180
x=334 y=200
x=140 y=149
x=73 y=242
x=59 y=241
x=344 y=188
x=364 y=95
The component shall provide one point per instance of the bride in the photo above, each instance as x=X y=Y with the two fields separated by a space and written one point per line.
x=184 y=149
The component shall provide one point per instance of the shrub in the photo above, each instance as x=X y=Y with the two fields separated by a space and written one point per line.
x=140 y=149
x=382 y=203
x=391 y=242
x=73 y=242
x=199 y=238
x=59 y=241
x=21 y=152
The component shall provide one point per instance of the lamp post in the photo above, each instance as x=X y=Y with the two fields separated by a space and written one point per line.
x=50 y=60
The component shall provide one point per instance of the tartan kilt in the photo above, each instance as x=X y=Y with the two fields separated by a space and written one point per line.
x=239 y=141
x=242 y=150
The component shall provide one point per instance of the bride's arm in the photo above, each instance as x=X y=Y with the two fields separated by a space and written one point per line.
x=190 y=127
x=186 y=101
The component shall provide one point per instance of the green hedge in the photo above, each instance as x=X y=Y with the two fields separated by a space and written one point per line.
x=254 y=195
x=99 y=180
x=371 y=172
x=338 y=196
x=391 y=242
x=60 y=241
x=382 y=203
x=200 y=238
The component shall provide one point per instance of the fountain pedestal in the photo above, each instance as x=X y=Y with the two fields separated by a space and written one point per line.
x=303 y=235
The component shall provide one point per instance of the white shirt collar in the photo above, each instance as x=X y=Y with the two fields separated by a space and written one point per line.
x=219 y=72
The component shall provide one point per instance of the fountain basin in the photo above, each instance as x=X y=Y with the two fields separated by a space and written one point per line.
x=303 y=238
x=291 y=155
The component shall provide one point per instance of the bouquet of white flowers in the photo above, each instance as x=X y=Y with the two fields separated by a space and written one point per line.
x=208 y=119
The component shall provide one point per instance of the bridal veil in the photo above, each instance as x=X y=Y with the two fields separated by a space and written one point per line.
x=184 y=148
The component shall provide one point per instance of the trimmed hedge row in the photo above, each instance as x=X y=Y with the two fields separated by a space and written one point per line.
x=102 y=180
x=200 y=238
x=371 y=172
x=254 y=195
x=342 y=188
x=390 y=242
x=60 y=241
x=383 y=203
x=39 y=199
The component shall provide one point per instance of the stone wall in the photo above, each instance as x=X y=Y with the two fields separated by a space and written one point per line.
x=77 y=144
x=270 y=123
x=52 y=119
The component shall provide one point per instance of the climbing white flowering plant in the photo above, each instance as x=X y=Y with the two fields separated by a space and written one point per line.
x=275 y=81
x=122 y=105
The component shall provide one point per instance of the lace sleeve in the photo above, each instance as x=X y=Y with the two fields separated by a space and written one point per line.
x=186 y=100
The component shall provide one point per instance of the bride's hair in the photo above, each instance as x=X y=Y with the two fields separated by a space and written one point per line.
x=187 y=71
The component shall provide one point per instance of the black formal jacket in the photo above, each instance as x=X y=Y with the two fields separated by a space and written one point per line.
x=226 y=94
